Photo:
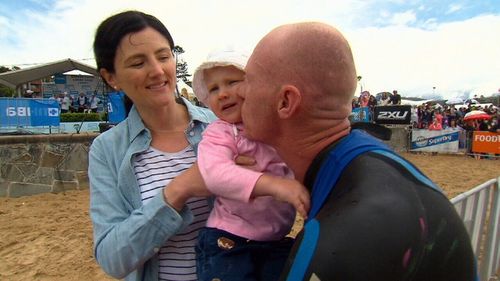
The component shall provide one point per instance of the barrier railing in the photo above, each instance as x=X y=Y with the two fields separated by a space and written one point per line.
x=479 y=209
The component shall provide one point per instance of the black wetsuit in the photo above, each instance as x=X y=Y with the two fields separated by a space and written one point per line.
x=382 y=222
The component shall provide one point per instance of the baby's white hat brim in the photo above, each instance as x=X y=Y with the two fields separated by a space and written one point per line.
x=227 y=57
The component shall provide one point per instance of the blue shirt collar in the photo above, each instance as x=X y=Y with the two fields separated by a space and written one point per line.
x=196 y=114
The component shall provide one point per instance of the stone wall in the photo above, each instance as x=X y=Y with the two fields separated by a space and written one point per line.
x=32 y=164
x=400 y=138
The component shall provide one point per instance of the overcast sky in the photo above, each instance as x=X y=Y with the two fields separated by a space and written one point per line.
x=411 y=46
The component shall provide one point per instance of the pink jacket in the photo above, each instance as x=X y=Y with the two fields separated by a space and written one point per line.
x=260 y=218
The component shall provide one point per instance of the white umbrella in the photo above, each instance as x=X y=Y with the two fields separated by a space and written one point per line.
x=476 y=115
x=455 y=100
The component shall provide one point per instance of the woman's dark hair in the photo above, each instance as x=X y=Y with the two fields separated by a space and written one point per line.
x=112 y=30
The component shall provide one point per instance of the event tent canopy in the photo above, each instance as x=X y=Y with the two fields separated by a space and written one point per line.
x=16 y=78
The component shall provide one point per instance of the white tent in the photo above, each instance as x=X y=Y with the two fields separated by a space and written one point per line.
x=413 y=102
x=455 y=100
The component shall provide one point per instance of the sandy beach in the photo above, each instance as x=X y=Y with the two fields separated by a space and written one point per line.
x=49 y=236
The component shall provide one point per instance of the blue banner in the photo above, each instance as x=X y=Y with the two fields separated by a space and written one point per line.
x=15 y=112
x=116 y=107
x=361 y=114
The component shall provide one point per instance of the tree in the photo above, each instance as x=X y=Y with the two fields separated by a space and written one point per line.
x=4 y=90
x=4 y=69
x=182 y=67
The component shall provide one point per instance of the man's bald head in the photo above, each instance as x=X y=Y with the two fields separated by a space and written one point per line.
x=314 y=57
x=297 y=92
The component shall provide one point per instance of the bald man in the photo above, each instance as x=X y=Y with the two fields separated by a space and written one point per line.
x=374 y=216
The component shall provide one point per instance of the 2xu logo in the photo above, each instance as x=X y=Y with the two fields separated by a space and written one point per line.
x=399 y=115
x=18 y=111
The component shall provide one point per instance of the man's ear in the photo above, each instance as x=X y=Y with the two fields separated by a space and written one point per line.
x=289 y=99
x=109 y=77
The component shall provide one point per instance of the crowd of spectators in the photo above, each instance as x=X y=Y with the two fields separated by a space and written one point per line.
x=366 y=99
x=77 y=103
x=433 y=116
x=437 y=117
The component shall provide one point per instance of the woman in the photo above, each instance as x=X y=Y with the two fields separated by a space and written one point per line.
x=145 y=218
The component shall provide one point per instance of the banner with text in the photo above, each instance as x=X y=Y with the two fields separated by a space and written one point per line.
x=392 y=114
x=16 y=112
x=73 y=85
x=486 y=142
x=434 y=141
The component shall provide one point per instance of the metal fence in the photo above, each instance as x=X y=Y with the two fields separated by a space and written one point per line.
x=479 y=209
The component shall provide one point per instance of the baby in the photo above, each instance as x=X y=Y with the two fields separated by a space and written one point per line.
x=245 y=236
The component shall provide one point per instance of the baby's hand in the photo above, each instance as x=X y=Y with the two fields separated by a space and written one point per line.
x=283 y=189
x=295 y=193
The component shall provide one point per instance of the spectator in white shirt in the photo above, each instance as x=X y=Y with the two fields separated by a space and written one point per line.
x=94 y=101
x=65 y=103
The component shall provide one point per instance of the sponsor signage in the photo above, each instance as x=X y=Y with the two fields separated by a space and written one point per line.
x=435 y=141
x=73 y=85
x=485 y=142
x=16 y=112
x=395 y=114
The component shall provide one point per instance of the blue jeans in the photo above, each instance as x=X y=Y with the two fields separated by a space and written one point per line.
x=227 y=257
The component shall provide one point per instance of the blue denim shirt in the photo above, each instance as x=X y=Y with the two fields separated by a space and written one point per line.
x=128 y=235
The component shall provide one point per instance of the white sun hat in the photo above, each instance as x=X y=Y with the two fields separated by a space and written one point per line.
x=224 y=57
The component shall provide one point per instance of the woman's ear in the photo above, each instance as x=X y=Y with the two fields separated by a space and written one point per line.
x=109 y=77
x=289 y=99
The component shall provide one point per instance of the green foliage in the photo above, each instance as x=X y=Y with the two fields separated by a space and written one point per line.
x=79 y=117
x=104 y=115
x=182 y=73
x=6 y=91
x=4 y=69
x=182 y=67
x=178 y=50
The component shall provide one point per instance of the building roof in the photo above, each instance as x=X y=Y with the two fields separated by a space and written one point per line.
x=15 y=78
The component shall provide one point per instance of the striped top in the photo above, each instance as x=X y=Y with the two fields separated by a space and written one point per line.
x=154 y=169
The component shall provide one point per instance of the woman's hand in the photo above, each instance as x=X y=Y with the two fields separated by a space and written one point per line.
x=186 y=185
x=190 y=184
